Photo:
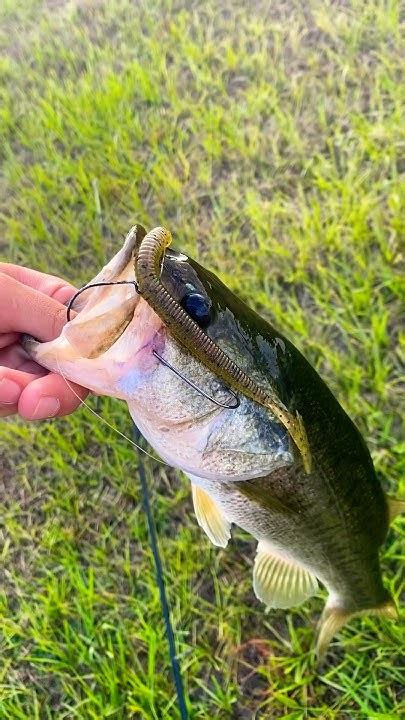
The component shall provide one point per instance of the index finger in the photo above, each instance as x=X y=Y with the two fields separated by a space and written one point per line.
x=24 y=309
x=50 y=285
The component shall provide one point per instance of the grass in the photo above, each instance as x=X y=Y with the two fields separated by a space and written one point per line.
x=268 y=137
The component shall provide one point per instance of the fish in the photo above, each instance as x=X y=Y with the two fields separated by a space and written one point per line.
x=319 y=516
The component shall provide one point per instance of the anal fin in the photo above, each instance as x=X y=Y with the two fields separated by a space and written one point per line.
x=279 y=581
x=210 y=518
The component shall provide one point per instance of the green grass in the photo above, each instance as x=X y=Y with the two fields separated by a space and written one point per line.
x=268 y=138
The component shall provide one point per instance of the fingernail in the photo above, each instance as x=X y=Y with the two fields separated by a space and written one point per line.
x=47 y=407
x=9 y=391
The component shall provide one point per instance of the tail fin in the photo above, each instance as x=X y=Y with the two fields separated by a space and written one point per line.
x=334 y=618
x=395 y=508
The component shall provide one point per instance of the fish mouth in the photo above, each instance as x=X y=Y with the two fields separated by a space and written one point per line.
x=103 y=310
x=106 y=305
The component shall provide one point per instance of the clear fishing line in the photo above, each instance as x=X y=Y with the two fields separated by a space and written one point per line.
x=97 y=415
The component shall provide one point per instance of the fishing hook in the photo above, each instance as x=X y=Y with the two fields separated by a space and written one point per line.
x=199 y=390
x=93 y=285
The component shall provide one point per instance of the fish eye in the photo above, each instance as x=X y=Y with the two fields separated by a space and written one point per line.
x=198 y=307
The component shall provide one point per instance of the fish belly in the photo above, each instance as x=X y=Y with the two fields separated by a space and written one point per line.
x=322 y=545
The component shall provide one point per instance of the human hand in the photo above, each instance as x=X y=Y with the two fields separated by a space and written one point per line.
x=32 y=302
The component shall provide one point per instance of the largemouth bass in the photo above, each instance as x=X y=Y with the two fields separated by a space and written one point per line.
x=312 y=499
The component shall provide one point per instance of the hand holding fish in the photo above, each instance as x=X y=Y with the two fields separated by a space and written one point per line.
x=32 y=302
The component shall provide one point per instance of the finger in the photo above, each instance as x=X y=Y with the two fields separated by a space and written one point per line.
x=50 y=396
x=24 y=309
x=8 y=339
x=50 y=285
x=16 y=358
x=12 y=384
x=13 y=356
x=7 y=410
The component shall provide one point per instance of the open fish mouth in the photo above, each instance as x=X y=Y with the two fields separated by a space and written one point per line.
x=106 y=311
x=112 y=326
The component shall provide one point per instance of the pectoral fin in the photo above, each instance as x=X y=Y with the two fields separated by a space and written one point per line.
x=210 y=517
x=280 y=582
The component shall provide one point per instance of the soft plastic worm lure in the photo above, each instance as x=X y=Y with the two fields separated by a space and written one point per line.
x=148 y=254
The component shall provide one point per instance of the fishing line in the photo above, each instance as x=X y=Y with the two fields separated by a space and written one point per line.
x=97 y=415
x=174 y=661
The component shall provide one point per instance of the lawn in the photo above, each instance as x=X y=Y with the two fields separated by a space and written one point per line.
x=268 y=137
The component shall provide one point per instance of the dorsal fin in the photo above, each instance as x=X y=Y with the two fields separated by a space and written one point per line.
x=279 y=581
x=210 y=517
